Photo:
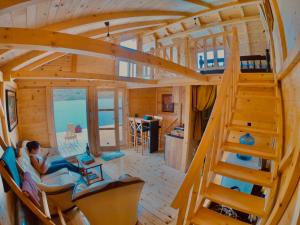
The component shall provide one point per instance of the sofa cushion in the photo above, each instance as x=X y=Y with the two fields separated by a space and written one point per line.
x=60 y=177
x=25 y=164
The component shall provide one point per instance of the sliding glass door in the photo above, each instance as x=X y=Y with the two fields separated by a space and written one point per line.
x=110 y=119
x=70 y=120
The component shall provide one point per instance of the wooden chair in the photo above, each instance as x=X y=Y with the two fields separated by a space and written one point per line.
x=132 y=133
x=70 y=133
x=13 y=180
x=142 y=138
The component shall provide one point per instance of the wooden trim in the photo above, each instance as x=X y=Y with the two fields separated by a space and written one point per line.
x=74 y=44
x=47 y=74
x=50 y=117
x=291 y=61
x=4 y=125
x=29 y=83
x=45 y=205
x=280 y=28
x=61 y=217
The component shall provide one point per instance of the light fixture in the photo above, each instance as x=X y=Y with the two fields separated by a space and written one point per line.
x=107 y=38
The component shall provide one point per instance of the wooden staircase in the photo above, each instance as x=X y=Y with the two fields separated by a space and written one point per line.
x=247 y=103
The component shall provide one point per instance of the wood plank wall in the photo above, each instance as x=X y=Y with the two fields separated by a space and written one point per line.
x=84 y=64
x=149 y=101
x=32 y=113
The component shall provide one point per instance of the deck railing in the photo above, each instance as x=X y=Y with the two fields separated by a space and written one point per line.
x=208 y=153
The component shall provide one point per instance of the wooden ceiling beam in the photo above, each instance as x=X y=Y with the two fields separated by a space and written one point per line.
x=74 y=44
x=43 y=61
x=24 y=61
x=200 y=3
x=213 y=10
x=51 y=74
x=207 y=26
x=112 y=16
x=123 y=27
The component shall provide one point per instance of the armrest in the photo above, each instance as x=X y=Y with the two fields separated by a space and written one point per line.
x=56 y=189
x=80 y=193
x=45 y=205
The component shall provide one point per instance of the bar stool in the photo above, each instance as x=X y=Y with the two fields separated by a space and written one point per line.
x=132 y=133
x=142 y=135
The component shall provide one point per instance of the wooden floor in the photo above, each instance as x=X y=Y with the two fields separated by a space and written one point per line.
x=161 y=185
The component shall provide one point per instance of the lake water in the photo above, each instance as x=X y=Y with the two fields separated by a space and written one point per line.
x=74 y=111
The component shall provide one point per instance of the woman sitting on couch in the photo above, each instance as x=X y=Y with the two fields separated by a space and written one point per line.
x=41 y=164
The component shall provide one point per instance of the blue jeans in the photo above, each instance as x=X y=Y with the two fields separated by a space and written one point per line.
x=60 y=164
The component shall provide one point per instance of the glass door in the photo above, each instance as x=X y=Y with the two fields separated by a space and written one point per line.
x=70 y=120
x=110 y=119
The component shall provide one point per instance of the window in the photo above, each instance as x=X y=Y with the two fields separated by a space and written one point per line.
x=200 y=57
x=127 y=68
x=132 y=44
x=220 y=55
x=210 y=56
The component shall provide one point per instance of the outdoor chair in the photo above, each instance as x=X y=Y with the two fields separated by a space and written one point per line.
x=71 y=133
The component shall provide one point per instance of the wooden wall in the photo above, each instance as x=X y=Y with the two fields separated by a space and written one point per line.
x=142 y=101
x=149 y=101
x=35 y=106
x=32 y=111
x=84 y=64
x=292 y=214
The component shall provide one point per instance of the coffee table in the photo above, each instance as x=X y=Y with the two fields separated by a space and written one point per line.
x=93 y=171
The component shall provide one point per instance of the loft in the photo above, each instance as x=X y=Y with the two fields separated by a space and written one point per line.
x=149 y=112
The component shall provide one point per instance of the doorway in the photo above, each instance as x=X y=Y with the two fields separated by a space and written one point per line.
x=110 y=119
x=70 y=120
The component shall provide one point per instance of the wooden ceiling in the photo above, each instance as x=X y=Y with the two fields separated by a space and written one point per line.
x=155 y=20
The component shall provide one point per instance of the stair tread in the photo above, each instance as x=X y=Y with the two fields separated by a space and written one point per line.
x=266 y=97
x=256 y=84
x=252 y=129
x=237 y=200
x=243 y=173
x=205 y=216
x=263 y=152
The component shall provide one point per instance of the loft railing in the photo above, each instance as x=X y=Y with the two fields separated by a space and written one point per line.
x=208 y=150
x=256 y=63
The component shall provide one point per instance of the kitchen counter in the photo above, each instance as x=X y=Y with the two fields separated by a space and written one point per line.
x=173 y=151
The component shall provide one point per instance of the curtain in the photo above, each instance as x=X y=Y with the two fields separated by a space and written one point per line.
x=203 y=98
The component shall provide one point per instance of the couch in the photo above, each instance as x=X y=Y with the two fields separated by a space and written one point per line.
x=58 y=186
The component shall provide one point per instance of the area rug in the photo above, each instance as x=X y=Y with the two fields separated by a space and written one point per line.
x=107 y=156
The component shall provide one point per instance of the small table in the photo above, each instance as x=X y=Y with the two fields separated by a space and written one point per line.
x=93 y=171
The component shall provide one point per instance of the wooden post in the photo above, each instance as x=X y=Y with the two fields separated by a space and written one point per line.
x=186 y=151
x=205 y=53
x=187 y=59
x=50 y=117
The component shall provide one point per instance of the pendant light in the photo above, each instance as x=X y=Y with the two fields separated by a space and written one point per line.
x=107 y=38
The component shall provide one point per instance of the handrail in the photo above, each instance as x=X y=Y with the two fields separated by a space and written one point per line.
x=223 y=106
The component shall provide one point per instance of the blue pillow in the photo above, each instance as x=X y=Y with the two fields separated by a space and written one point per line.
x=9 y=158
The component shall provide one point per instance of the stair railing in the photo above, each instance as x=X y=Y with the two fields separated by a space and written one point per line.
x=189 y=196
